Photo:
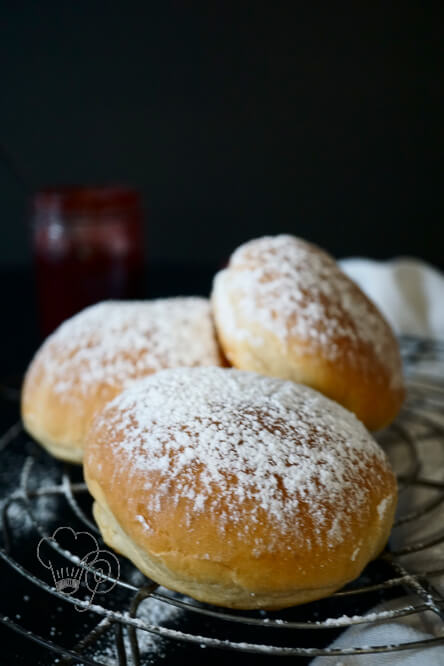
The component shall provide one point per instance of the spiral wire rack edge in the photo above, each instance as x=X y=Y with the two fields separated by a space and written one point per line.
x=425 y=399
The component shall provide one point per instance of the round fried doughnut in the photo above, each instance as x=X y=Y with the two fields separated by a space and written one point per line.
x=283 y=307
x=238 y=489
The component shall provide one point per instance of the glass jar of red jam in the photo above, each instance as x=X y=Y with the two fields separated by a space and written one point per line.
x=88 y=246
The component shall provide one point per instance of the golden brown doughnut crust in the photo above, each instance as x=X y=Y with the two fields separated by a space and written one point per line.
x=92 y=356
x=284 y=308
x=253 y=492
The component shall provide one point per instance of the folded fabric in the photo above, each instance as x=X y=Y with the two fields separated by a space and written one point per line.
x=411 y=628
x=409 y=292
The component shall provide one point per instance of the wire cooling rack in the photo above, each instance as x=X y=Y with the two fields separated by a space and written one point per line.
x=404 y=572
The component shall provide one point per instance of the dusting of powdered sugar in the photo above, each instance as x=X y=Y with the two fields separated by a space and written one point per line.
x=113 y=343
x=265 y=443
x=382 y=508
x=152 y=647
x=293 y=289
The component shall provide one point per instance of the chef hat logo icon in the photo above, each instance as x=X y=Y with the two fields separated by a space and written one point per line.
x=98 y=569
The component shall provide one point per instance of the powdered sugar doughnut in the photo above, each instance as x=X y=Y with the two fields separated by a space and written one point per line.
x=238 y=489
x=96 y=354
x=284 y=308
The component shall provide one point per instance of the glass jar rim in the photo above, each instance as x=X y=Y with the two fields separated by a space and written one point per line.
x=74 y=200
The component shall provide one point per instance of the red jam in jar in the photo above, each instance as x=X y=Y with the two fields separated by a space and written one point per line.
x=88 y=246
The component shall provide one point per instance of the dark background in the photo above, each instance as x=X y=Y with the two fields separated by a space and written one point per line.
x=235 y=119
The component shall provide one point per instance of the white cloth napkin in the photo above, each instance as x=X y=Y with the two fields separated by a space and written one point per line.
x=410 y=293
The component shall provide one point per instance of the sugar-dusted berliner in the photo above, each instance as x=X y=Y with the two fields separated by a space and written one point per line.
x=283 y=307
x=238 y=489
x=96 y=354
